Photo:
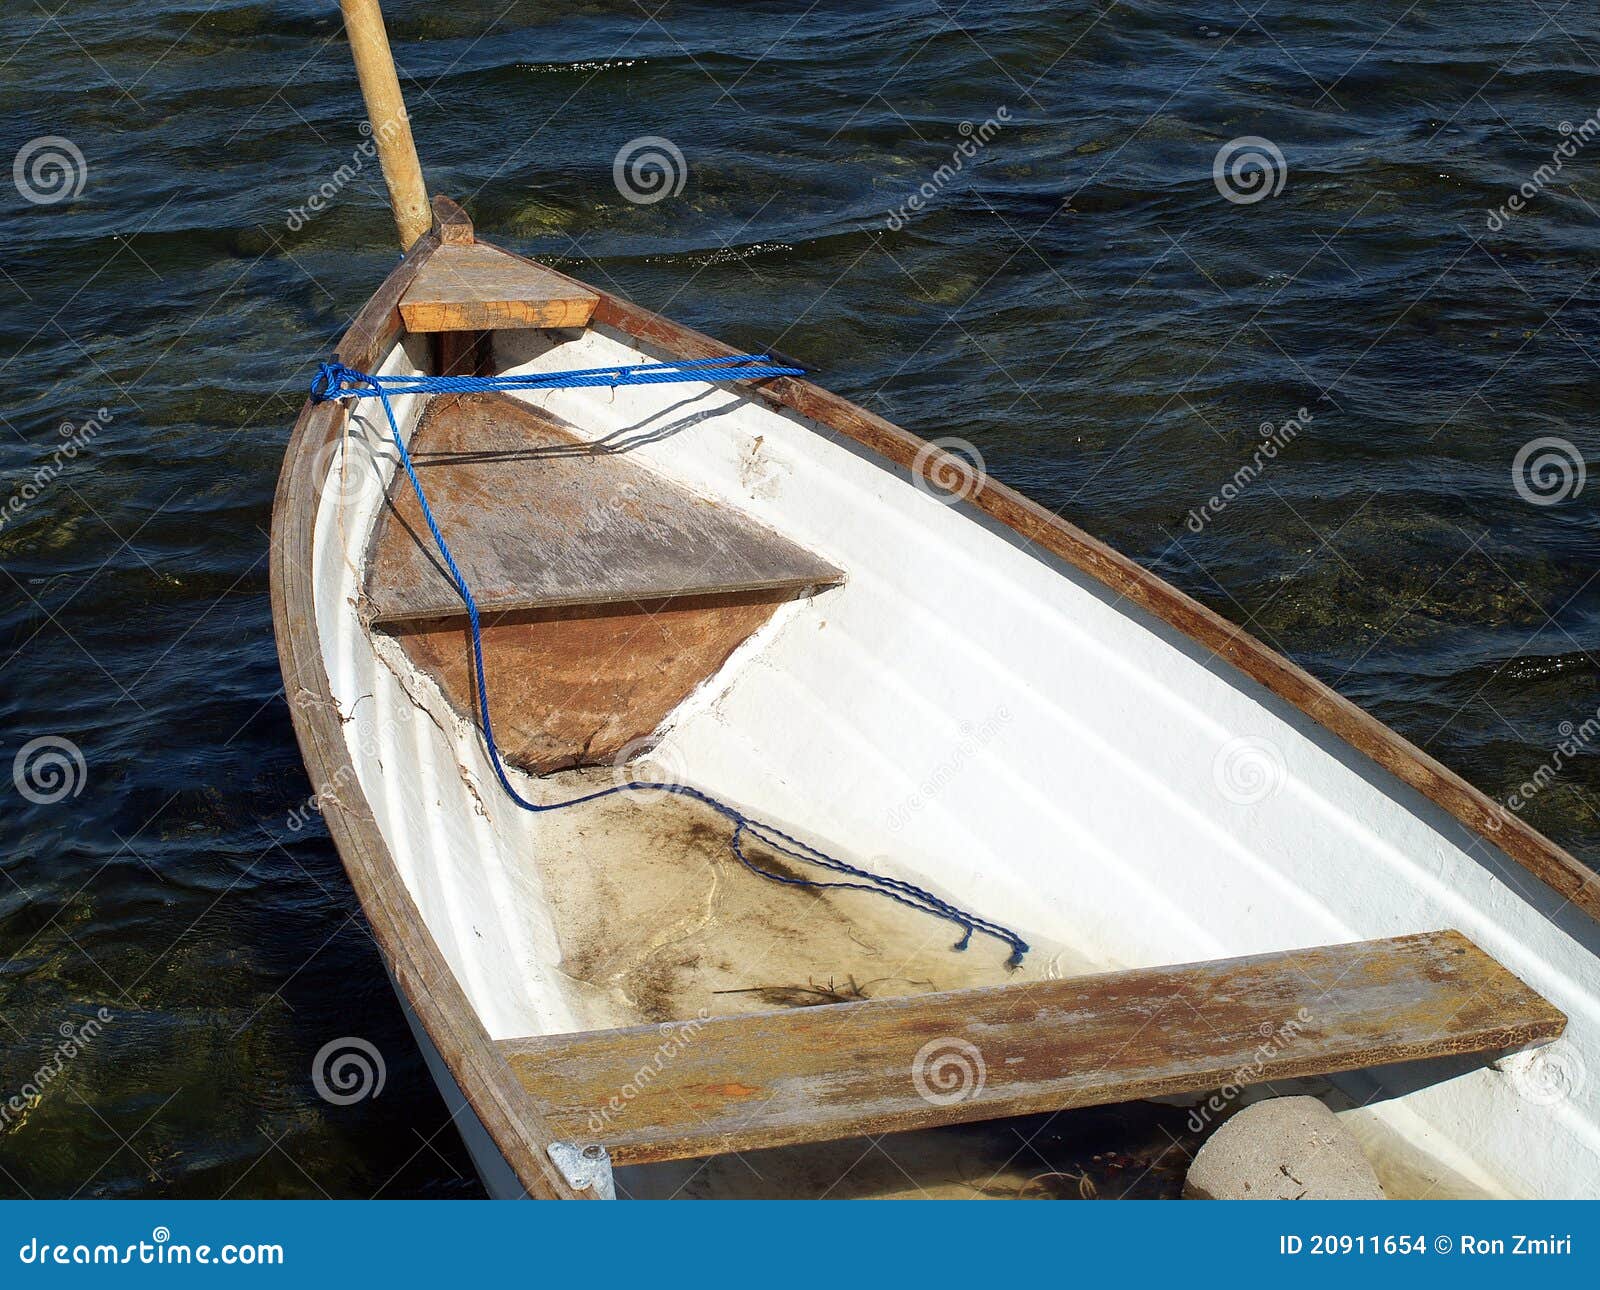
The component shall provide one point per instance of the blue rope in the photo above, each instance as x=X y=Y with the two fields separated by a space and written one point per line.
x=336 y=381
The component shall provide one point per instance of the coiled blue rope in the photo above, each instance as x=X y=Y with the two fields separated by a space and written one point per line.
x=336 y=381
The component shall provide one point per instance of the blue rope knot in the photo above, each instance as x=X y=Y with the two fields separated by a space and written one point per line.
x=334 y=381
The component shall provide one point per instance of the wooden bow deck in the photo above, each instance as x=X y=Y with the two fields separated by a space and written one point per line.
x=607 y=592
x=540 y=519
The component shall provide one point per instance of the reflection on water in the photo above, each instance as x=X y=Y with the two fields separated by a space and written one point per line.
x=1107 y=320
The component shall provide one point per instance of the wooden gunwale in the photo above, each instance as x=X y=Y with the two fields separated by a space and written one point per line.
x=419 y=969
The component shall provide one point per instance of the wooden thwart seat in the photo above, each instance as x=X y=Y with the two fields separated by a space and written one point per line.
x=471 y=286
x=840 y=1070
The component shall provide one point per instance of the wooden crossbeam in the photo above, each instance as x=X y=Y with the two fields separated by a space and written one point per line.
x=472 y=286
x=879 y=1066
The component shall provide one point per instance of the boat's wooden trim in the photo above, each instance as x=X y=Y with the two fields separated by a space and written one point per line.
x=451 y=225
x=419 y=969
x=843 y=1070
x=1551 y=864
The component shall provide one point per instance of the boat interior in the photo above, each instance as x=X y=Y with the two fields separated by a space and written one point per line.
x=716 y=1032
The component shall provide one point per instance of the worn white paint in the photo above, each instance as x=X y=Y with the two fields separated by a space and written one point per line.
x=990 y=722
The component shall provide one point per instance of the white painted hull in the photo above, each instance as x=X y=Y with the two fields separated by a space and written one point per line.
x=499 y=1179
x=978 y=716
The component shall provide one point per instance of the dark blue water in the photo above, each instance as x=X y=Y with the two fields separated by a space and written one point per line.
x=1079 y=301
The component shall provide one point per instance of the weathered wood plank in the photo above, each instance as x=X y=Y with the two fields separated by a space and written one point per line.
x=840 y=1070
x=462 y=353
x=538 y=518
x=472 y=286
x=607 y=594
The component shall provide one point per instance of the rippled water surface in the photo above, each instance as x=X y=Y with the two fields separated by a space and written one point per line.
x=1079 y=300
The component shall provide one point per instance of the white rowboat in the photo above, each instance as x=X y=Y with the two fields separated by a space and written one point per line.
x=765 y=593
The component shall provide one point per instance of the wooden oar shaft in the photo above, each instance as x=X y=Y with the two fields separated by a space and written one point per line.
x=386 y=111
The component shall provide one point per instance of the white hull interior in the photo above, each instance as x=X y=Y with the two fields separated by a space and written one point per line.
x=963 y=712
